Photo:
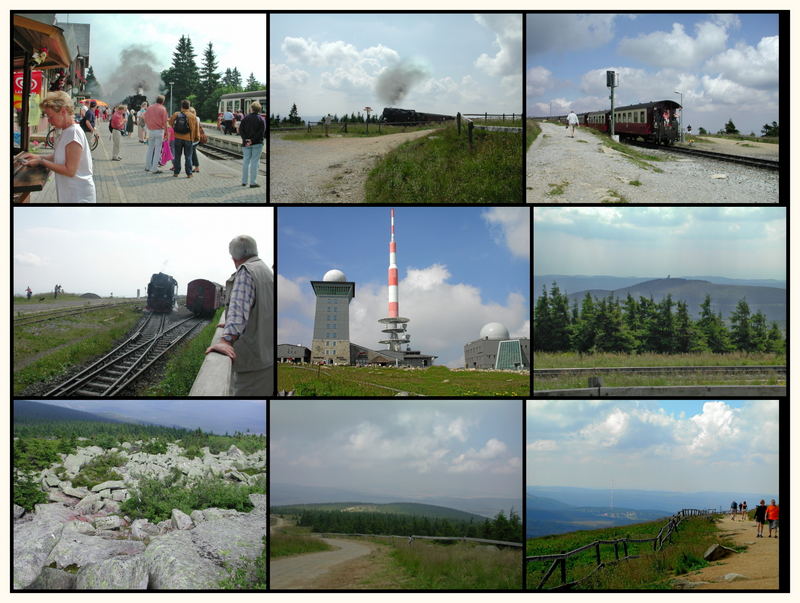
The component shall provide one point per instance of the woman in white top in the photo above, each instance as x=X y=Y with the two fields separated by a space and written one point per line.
x=71 y=160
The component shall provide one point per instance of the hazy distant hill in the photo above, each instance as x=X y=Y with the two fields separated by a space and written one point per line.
x=770 y=300
x=563 y=518
x=26 y=411
x=290 y=494
x=397 y=508
x=575 y=283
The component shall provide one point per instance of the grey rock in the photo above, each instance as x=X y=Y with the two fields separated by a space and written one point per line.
x=86 y=504
x=81 y=550
x=164 y=526
x=180 y=520
x=66 y=488
x=687 y=584
x=259 y=502
x=109 y=485
x=732 y=577
x=110 y=506
x=197 y=516
x=142 y=528
x=51 y=480
x=238 y=475
x=118 y=573
x=111 y=522
x=18 y=511
x=125 y=445
x=33 y=540
x=120 y=495
x=717 y=551
x=105 y=493
x=74 y=462
x=234 y=451
x=53 y=579
x=230 y=539
x=213 y=513
x=79 y=527
x=173 y=563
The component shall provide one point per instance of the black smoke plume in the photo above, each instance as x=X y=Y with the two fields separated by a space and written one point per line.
x=395 y=82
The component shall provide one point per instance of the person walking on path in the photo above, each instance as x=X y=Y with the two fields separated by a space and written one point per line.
x=248 y=337
x=155 y=120
x=71 y=159
x=117 y=126
x=201 y=138
x=252 y=129
x=131 y=121
x=572 y=121
x=141 y=124
x=744 y=510
x=760 y=517
x=227 y=122
x=772 y=517
x=734 y=507
x=28 y=292
x=186 y=132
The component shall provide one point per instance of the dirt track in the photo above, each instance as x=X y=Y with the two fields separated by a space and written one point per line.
x=298 y=572
x=328 y=170
x=758 y=564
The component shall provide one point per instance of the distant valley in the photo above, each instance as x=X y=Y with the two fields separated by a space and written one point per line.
x=576 y=283
x=288 y=494
x=558 y=510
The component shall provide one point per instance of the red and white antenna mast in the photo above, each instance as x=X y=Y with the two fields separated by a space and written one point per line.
x=395 y=325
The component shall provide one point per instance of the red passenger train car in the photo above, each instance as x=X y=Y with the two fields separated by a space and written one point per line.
x=204 y=297
x=657 y=122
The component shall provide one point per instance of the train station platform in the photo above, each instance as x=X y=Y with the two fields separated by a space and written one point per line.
x=218 y=181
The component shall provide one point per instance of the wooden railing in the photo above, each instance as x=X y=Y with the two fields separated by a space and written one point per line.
x=559 y=560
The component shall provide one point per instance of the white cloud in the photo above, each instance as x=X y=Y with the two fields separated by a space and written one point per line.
x=514 y=228
x=285 y=76
x=715 y=427
x=753 y=67
x=567 y=32
x=542 y=446
x=28 y=258
x=508 y=40
x=538 y=80
x=676 y=47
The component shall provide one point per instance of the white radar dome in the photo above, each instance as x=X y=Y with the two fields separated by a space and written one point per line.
x=494 y=330
x=334 y=275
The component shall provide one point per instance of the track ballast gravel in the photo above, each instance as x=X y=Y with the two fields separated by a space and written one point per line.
x=589 y=172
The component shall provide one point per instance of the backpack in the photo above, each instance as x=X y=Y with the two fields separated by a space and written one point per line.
x=181 y=125
x=83 y=122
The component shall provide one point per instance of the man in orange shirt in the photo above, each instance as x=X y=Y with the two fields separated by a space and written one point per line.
x=772 y=518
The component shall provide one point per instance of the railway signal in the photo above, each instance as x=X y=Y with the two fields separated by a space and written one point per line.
x=612 y=81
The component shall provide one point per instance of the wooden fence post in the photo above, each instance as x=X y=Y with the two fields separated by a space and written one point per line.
x=616 y=550
x=597 y=553
x=485 y=117
x=563 y=563
x=470 y=127
x=345 y=127
x=309 y=127
x=458 y=122
x=625 y=547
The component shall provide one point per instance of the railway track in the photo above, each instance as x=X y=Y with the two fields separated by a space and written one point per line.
x=767 y=164
x=62 y=312
x=224 y=154
x=112 y=373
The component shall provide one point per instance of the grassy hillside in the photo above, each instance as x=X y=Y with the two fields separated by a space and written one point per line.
x=398 y=508
x=366 y=381
x=442 y=168
x=26 y=411
x=653 y=570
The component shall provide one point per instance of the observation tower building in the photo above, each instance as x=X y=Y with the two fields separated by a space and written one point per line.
x=331 y=340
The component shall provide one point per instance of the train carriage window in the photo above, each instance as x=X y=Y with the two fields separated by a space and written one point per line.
x=641 y=116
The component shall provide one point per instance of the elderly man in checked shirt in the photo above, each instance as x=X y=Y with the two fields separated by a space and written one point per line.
x=248 y=337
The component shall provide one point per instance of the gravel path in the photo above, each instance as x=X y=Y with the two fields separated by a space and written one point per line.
x=758 y=564
x=297 y=572
x=586 y=171
x=328 y=170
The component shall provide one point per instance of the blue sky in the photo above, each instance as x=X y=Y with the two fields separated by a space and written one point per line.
x=116 y=249
x=410 y=448
x=459 y=269
x=734 y=242
x=682 y=446
x=725 y=65
x=239 y=43
x=453 y=62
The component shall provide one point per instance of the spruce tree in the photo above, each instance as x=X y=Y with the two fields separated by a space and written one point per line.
x=183 y=73
x=741 y=330
x=253 y=84
x=208 y=82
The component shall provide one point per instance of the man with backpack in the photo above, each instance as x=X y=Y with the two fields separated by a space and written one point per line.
x=187 y=131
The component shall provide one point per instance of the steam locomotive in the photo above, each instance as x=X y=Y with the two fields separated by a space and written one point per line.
x=411 y=117
x=161 y=292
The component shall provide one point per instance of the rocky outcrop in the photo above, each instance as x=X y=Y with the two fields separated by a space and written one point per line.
x=111 y=522
x=33 y=541
x=82 y=549
x=141 y=529
x=174 y=564
x=119 y=573
x=18 y=511
x=53 y=579
x=180 y=520
x=109 y=485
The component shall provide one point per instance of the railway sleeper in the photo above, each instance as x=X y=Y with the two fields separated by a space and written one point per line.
x=89 y=393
